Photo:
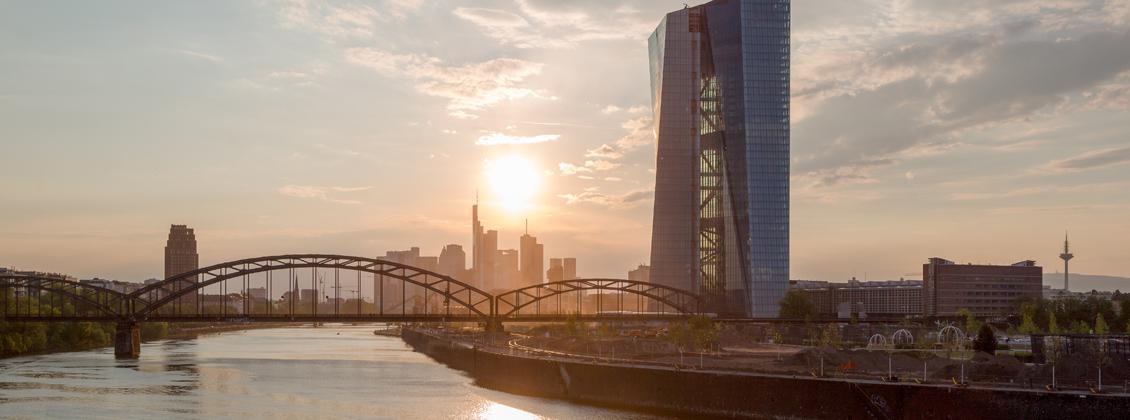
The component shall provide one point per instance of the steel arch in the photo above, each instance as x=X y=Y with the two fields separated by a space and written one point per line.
x=452 y=289
x=513 y=300
x=111 y=298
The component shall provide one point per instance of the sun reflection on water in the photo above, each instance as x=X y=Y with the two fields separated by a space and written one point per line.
x=495 y=411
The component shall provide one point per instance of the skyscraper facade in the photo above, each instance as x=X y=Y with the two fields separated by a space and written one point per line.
x=556 y=271
x=181 y=257
x=720 y=93
x=569 y=268
x=453 y=261
x=532 y=259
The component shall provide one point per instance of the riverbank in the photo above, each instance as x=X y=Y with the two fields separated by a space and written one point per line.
x=97 y=335
x=691 y=392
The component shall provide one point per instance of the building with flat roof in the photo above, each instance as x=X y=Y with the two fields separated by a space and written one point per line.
x=875 y=298
x=720 y=94
x=985 y=290
x=641 y=274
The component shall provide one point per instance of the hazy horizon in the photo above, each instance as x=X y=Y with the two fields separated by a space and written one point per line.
x=973 y=132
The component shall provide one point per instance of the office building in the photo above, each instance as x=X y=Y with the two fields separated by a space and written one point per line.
x=556 y=271
x=181 y=257
x=569 y=268
x=640 y=274
x=864 y=298
x=453 y=261
x=720 y=94
x=507 y=275
x=985 y=290
x=532 y=258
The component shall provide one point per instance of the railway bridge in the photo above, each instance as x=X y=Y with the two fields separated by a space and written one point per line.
x=329 y=288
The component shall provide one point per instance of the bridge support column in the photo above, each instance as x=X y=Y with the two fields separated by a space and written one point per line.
x=495 y=325
x=127 y=340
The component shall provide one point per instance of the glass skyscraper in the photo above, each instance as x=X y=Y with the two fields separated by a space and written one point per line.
x=720 y=93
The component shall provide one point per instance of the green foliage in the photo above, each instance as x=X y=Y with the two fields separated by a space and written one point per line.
x=18 y=338
x=1100 y=325
x=796 y=305
x=971 y=322
x=605 y=330
x=1028 y=325
x=985 y=342
x=1053 y=326
x=154 y=330
x=1080 y=327
x=699 y=332
x=573 y=326
x=830 y=336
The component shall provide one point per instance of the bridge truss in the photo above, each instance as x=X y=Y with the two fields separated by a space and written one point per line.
x=331 y=288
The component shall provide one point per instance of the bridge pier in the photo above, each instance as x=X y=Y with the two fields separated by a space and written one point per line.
x=127 y=340
x=494 y=324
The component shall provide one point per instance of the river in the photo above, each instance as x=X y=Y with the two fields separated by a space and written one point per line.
x=327 y=372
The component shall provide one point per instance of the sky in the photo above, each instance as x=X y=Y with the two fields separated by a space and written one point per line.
x=970 y=130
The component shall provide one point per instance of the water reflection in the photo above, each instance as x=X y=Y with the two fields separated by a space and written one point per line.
x=329 y=372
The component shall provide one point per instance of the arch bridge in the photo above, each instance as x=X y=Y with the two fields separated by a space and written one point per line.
x=326 y=288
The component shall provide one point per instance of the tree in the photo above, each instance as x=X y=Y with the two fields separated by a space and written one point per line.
x=985 y=342
x=1100 y=325
x=796 y=305
x=971 y=322
x=704 y=332
x=1053 y=326
x=1028 y=326
x=830 y=336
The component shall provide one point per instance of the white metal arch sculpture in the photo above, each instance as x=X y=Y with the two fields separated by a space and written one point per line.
x=902 y=337
x=877 y=341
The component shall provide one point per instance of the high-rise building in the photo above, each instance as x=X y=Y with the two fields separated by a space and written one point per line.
x=181 y=257
x=569 y=268
x=532 y=258
x=556 y=271
x=506 y=272
x=478 y=254
x=490 y=257
x=985 y=290
x=640 y=274
x=453 y=261
x=720 y=93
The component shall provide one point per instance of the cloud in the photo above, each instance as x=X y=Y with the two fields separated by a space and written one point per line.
x=495 y=139
x=1091 y=160
x=320 y=193
x=571 y=169
x=897 y=105
x=587 y=167
x=613 y=109
x=331 y=21
x=604 y=151
x=559 y=24
x=626 y=200
x=199 y=55
x=468 y=88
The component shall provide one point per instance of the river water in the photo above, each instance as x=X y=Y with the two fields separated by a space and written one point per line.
x=301 y=373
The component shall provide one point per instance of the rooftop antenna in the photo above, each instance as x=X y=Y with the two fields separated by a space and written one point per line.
x=527 y=226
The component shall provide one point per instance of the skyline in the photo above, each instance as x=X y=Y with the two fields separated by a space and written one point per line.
x=956 y=155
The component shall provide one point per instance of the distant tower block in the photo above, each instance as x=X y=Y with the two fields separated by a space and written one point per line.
x=1066 y=256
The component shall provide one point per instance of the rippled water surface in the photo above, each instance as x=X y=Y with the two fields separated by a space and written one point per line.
x=329 y=372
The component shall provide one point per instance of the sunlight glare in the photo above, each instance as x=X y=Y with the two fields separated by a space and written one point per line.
x=514 y=182
x=496 y=411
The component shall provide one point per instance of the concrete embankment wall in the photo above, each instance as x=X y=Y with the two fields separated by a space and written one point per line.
x=727 y=394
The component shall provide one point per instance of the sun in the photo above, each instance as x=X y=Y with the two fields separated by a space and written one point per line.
x=514 y=182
